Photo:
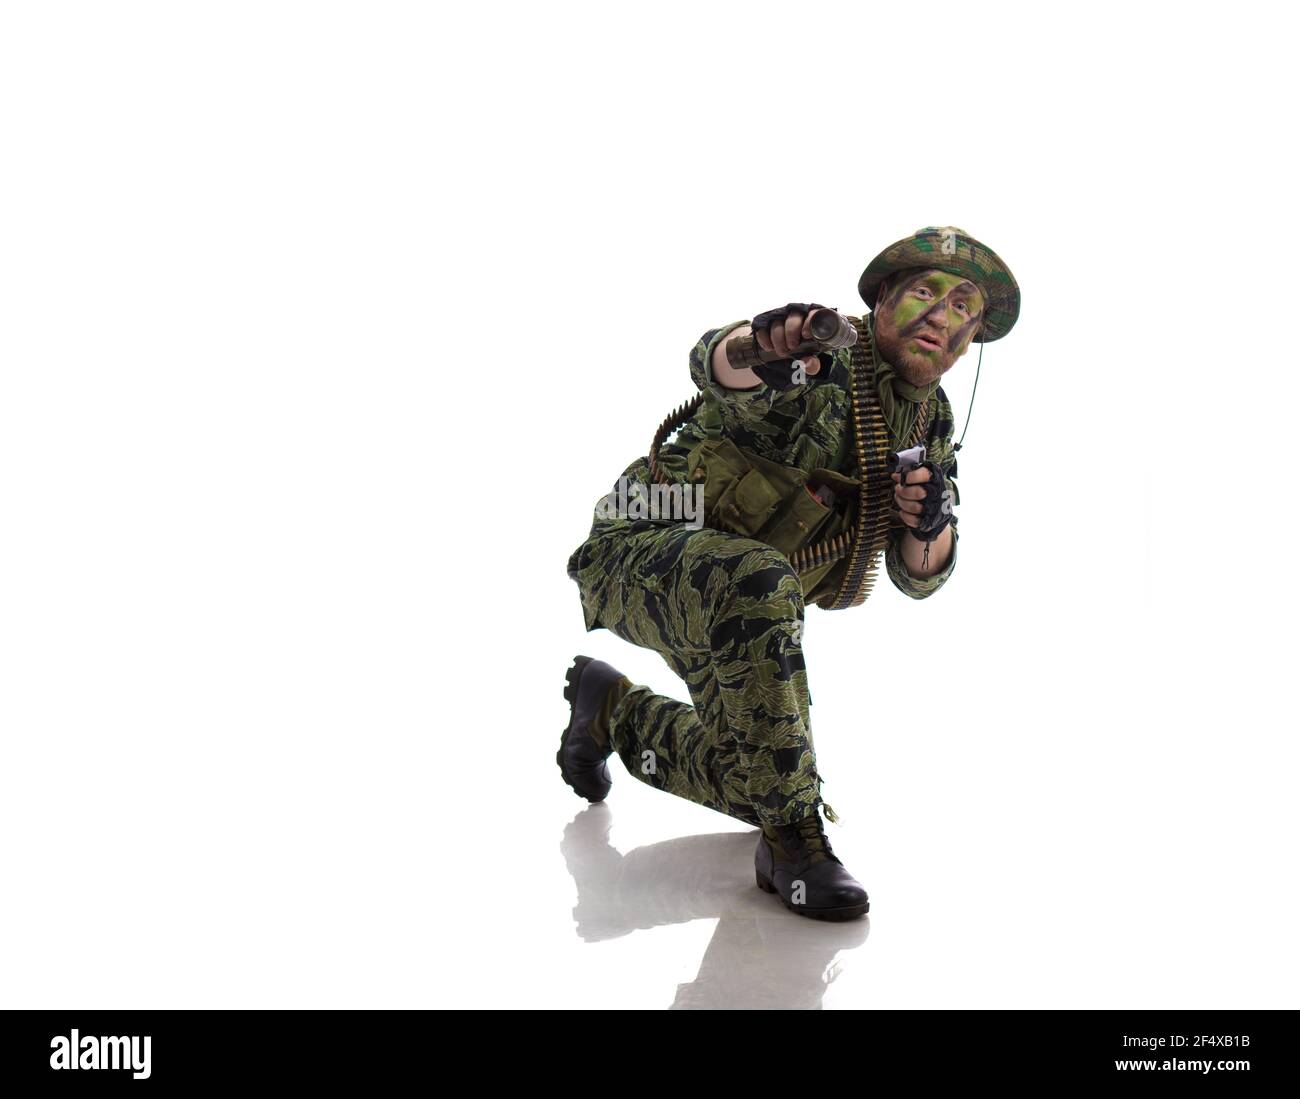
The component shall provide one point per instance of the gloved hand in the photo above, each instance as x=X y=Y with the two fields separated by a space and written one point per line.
x=781 y=331
x=924 y=501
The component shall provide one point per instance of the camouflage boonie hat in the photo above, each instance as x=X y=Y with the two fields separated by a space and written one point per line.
x=946 y=248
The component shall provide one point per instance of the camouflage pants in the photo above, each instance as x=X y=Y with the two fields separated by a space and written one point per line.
x=725 y=612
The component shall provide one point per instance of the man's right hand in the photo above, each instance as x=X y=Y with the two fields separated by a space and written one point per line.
x=780 y=331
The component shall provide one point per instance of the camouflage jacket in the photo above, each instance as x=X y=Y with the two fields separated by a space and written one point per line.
x=808 y=426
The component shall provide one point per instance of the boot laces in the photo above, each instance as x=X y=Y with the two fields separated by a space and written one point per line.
x=807 y=836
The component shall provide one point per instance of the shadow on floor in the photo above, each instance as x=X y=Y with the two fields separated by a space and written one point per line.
x=761 y=956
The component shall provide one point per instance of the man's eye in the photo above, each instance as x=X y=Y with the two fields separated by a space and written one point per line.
x=962 y=306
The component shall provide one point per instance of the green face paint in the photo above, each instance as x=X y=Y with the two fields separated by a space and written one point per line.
x=926 y=323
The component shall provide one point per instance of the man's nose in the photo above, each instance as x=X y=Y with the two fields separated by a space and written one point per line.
x=938 y=315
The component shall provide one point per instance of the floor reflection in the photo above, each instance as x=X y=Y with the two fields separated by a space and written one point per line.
x=760 y=956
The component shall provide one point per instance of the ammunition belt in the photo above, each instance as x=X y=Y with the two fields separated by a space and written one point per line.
x=865 y=543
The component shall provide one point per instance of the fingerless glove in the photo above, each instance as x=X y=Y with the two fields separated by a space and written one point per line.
x=780 y=373
x=936 y=508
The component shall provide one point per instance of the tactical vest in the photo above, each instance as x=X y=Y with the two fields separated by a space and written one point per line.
x=835 y=548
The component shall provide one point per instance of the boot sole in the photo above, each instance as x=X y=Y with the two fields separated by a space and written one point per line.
x=571 y=676
x=831 y=915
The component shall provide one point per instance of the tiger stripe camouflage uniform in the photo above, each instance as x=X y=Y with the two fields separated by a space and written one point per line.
x=726 y=611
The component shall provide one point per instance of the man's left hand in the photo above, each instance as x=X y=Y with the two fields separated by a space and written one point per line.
x=921 y=499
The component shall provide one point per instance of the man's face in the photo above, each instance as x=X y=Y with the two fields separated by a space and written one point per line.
x=925 y=321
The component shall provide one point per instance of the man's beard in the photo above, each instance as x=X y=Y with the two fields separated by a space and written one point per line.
x=915 y=369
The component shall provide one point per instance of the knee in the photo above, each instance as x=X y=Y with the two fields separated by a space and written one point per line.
x=762 y=592
x=764 y=576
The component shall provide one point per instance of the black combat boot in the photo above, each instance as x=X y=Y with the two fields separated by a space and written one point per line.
x=592 y=691
x=795 y=862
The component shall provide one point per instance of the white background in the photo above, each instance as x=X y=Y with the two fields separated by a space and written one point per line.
x=323 y=326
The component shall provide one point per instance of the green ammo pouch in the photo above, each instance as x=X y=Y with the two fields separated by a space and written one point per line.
x=761 y=499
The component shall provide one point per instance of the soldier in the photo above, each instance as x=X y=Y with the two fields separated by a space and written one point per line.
x=787 y=442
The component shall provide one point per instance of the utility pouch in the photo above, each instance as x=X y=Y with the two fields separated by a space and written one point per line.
x=761 y=499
